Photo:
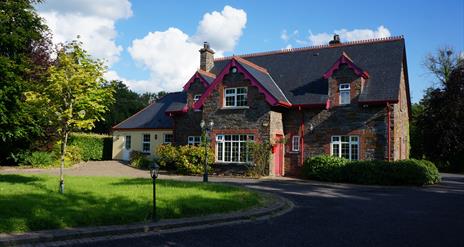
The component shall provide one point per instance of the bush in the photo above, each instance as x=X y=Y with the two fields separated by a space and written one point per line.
x=260 y=153
x=187 y=160
x=324 y=168
x=91 y=145
x=39 y=159
x=402 y=172
x=139 y=160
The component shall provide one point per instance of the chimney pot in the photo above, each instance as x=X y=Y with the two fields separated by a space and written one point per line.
x=336 y=40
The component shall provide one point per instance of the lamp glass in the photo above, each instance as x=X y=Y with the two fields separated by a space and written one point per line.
x=202 y=124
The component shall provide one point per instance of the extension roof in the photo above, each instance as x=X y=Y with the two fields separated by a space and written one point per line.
x=153 y=116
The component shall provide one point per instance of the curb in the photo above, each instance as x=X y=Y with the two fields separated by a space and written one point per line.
x=277 y=206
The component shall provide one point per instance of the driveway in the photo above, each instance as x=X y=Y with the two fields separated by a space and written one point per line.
x=327 y=214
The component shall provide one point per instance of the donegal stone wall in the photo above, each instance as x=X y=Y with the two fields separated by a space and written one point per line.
x=255 y=116
x=369 y=123
x=188 y=124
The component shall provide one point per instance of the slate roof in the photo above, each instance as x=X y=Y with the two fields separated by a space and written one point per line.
x=266 y=81
x=153 y=116
x=299 y=72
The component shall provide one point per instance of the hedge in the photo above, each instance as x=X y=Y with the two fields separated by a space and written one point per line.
x=93 y=146
x=187 y=160
x=401 y=172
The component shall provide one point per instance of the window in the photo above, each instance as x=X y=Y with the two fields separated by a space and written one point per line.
x=235 y=97
x=168 y=138
x=127 y=142
x=194 y=140
x=296 y=143
x=345 y=97
x=233 y=70
x=345 y=146
x=196 y=97
x=146 y=143
x=233 y=148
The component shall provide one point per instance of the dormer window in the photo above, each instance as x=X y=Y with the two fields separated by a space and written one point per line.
x=345 y=97
x=196 y=97
x=235 y=97
x=233 y=70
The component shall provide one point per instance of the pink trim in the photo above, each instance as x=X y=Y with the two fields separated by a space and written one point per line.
x=344 y=59
x=378 y=102
x=310 y=106
x=192 y=79
x=234 y=63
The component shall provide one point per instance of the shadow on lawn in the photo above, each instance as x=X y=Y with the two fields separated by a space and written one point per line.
x=18 y=179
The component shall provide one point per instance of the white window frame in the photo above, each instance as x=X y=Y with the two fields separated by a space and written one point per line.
x=194 y=140
x=344 y=91
x=196 y=97
x=296 y=143
x=353 y=140
x=221 y=141
x=164 y=138
x=233 y=92
x=128 y=140
x=148 y=142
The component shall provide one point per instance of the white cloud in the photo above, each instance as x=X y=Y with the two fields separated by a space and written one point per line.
x=222 y=30
x=349 y=35
x=93 y=21
x=172 y=56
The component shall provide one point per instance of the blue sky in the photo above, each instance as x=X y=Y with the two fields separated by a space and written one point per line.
x=119 y=31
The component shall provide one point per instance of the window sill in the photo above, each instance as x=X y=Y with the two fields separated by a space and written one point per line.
x=234 y=107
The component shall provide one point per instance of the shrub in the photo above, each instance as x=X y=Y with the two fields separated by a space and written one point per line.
x=139 y=160
x=187 y=160
x=324 y=168
x=402 y=172
x=39 y=159
x=91 y=145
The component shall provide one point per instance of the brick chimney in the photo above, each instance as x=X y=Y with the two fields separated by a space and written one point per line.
x=336 y=40
x=206 y=57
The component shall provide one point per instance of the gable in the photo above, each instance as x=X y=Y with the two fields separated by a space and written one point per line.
x=265 y=83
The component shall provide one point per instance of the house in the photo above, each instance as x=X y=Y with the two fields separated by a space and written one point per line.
x=344 y=99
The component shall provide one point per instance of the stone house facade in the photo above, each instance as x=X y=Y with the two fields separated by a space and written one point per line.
x=344 y=99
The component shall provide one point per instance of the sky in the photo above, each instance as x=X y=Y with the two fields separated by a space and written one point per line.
x=153 y=45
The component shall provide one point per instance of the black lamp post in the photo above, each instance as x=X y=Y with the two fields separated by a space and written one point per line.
x=154 y=168
x=204 y=128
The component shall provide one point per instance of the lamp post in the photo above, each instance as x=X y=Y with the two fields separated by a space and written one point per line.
x=204 y=128
x=154 y=168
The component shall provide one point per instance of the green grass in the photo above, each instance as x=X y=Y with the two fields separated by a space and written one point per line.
x=29 y=203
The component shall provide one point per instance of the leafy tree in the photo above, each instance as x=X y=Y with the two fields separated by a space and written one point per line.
x=76 y=95
x=439 y=124
x=24 y=58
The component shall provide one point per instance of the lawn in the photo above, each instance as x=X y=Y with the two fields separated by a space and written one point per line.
x=29 y=203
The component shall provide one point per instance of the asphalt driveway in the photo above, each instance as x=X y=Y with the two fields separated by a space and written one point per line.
x=338 y=215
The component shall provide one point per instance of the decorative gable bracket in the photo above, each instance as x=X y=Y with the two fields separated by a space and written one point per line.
x=345 y=59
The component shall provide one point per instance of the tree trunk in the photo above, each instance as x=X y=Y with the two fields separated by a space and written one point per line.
x=64 y=140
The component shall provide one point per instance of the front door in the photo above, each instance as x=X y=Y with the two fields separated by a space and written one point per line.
x=127 y=148
x=278 y=156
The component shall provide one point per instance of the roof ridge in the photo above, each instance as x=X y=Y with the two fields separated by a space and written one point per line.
x=253 y=65
x=315 y=47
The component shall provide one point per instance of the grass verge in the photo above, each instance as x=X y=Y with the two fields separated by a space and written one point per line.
x=29 y=203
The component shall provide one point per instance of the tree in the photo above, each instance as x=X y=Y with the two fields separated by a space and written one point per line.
x=440 y=124
x=76 y=95
x=24 y=60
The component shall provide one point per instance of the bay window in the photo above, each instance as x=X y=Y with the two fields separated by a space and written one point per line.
x=345 y=146
x=233 y=148
x=235 y=97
